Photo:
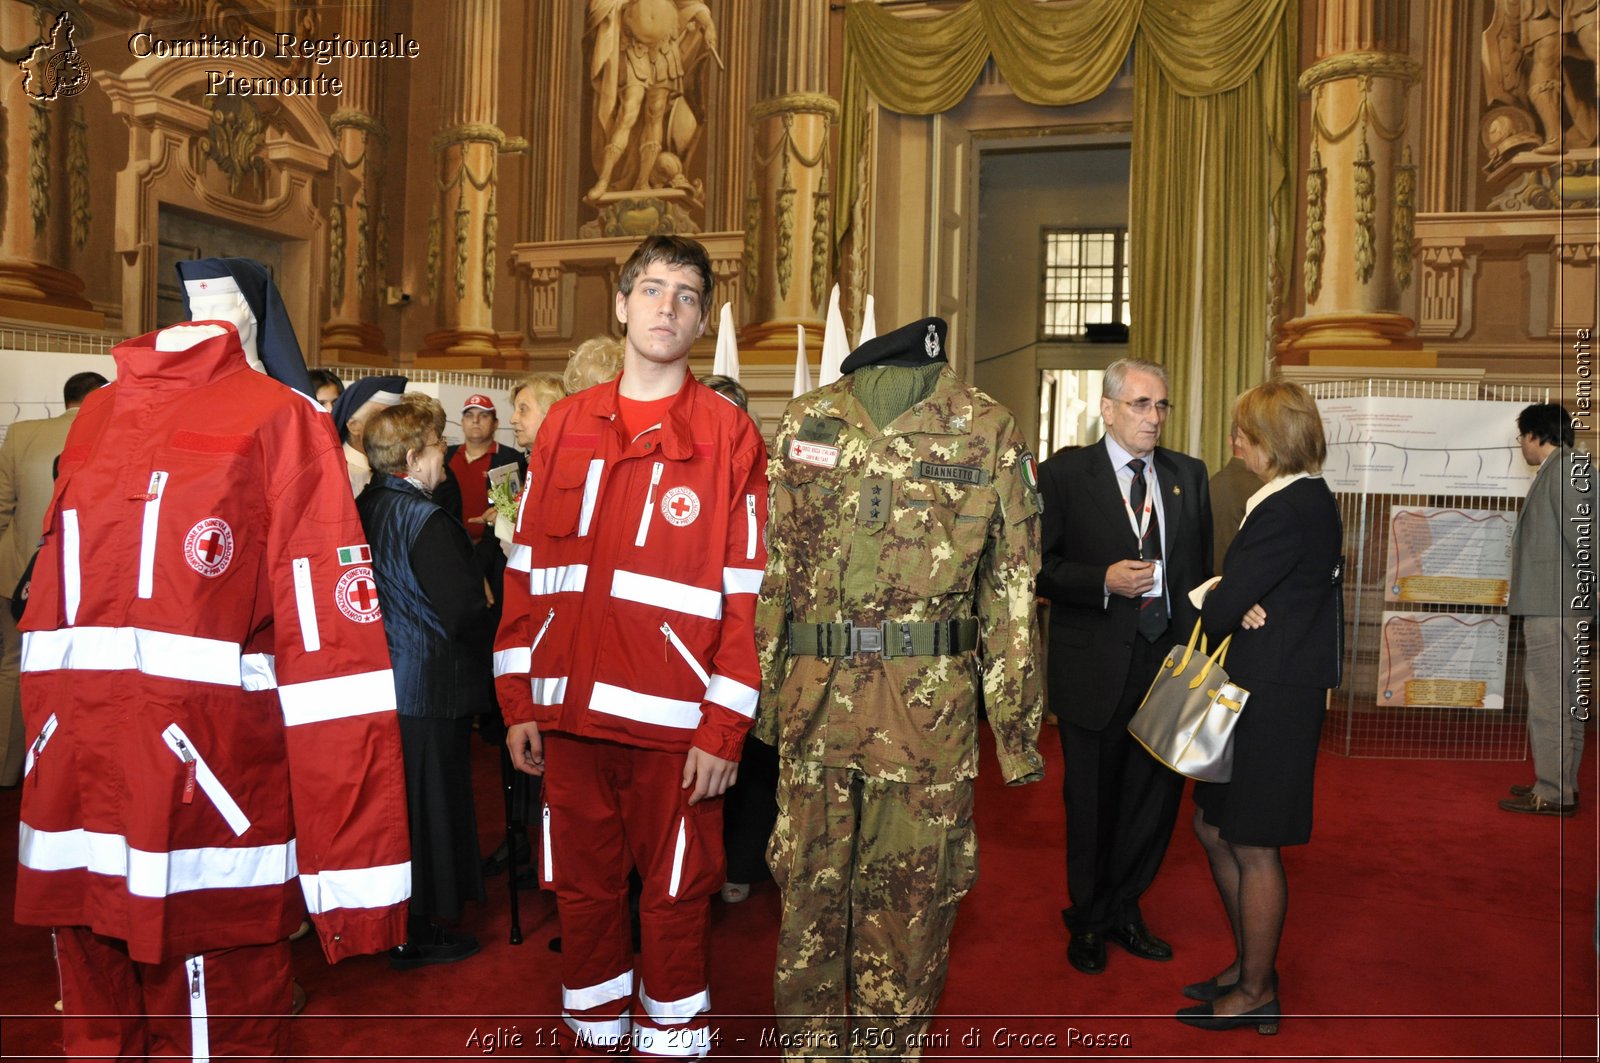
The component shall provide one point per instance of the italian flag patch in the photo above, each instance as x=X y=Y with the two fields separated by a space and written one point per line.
x=355 y=555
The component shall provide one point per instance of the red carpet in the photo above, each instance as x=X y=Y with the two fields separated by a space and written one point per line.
x=1423 y=923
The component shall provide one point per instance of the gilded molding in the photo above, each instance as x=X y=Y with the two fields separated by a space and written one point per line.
x=796 y=103
x=752 y=236
x=462 y=217
x=434 y=253
x=1366 y=206
x=336 y=249
x=361 y=120
x=821 y=232
x=785 y=211
x=1360 y=64
x=490 y=226
x=232 y=139
x=468 y=133
x=1405 y=217
x=39 y=165
x=78 y=175
x=362 y=223
x=1316 y=223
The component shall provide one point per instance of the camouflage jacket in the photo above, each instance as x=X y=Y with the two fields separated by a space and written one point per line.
x=936 y=517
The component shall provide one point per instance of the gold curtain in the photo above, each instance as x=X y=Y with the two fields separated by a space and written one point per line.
x=1213 y=117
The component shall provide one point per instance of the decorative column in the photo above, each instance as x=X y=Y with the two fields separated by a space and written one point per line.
x=1360 y=184
x=462 y=263
x=44 y=191
x=357 y=218
x=788 y=217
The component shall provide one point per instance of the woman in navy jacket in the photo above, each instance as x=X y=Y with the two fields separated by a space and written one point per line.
x=1279 y=597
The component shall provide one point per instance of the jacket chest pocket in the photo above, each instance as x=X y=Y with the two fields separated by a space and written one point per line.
x=934 y=536
x=804 y=518
x=574 y=485
x=201 y=511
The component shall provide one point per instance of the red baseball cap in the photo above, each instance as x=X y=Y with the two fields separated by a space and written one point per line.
x=478 y=402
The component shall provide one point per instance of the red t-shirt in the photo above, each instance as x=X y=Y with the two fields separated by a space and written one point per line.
x=473 y=477
x=640 y=414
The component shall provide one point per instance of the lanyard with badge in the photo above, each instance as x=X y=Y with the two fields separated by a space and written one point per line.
x=1140 y=524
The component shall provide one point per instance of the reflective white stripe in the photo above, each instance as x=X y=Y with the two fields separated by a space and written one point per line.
x=609 y=1032
x=549 y=864
x=742 y=580
x=199 y=1032
x=522 y=505
x=683 y=651
x=749 y=527
x=549 y=690
x=677 y=859
x=71 y=570
x=334 y=699
x=559 y=580
x=306 y=603
x=118 y=649
x=649 y=505
x=37 y=746
x=684 y=1044
x=592 y=996
x=183 y=747
x=732 y=694
x=258 y=671
x=147 y=536
x=675 y=1012
x=156 y=874
x=666 y=594
x=591 y=491
x=520 y=559
x=646 y=708
x=356 y=887
x=512 y=662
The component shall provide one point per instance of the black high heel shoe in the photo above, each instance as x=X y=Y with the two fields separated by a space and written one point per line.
x=1211 y=989
x=1264 y=1019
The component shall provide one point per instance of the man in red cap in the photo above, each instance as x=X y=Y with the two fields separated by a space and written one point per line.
x=472 y=460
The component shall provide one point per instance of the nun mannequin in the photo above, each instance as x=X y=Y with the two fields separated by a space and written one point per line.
x=241 y=292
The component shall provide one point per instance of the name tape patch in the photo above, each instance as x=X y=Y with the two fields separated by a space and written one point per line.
x=961 y=474
x=813 y=453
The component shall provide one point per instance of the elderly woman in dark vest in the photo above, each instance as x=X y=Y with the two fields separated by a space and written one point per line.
x=435 y=615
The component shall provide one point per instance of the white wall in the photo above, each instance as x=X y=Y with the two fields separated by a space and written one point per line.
x=30 y=382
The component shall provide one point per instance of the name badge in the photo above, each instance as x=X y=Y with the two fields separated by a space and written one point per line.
x=1155 y=588
x=813 y=453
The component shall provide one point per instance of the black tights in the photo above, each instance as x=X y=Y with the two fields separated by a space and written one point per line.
x=1255 y=893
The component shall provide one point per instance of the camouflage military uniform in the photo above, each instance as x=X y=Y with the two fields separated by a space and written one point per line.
x=934 y=519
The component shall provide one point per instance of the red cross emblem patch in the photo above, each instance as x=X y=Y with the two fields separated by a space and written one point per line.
x=680 y=506
x=209 y=547
x=357 y=595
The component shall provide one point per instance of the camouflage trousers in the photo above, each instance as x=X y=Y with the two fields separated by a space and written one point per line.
x=872 y=872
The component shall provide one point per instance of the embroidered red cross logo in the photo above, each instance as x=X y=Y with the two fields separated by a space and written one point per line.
x=680 y=506
x=364 y=593
x=209 y=546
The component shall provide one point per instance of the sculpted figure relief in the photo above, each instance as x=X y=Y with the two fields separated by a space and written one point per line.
x=643 y=52
x=1526 y=52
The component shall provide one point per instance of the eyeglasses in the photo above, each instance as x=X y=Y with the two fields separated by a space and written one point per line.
x=441 y=444
x=1142 y=407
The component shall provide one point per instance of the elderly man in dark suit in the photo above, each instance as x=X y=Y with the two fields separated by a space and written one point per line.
x=1127 y=533
x=1554 y=606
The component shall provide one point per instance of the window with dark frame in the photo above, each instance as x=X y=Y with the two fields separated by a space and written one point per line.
x=1085 y=281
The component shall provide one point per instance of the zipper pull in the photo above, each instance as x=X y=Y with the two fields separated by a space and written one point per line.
x=189 y=770
x=666 y=640
x=38 y=749
x=194 y=978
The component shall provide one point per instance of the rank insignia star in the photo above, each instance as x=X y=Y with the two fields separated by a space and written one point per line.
x=958 y=423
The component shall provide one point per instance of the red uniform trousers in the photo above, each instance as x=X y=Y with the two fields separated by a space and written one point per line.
x=610 y=808
x=227 y=1004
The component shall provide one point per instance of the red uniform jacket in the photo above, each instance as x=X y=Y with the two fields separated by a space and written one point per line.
x=205 y=682
x=631 y=587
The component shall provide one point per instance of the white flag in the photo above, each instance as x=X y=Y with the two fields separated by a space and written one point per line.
x=869 y=324
x=726 y=362
x=835 y=344
x=802 y=366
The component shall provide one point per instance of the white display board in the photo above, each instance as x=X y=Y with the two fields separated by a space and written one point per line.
x=1404 y=446
x=30 y=382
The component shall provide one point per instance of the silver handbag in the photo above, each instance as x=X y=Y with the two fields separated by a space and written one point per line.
x=1187 y=717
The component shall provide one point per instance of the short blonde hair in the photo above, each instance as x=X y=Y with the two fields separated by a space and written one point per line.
x=547 y=388
x=595 y=361
x=395 y=431
x=1282 y=420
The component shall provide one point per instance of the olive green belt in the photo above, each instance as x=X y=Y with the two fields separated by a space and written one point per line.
x=920 y=638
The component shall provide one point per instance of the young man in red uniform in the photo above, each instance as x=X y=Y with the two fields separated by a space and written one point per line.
x=473 y=459
x=626 y=660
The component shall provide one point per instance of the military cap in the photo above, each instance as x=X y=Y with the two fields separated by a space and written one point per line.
x=918 y=343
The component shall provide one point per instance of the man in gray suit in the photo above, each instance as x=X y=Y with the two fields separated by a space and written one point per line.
x=1556 y=604
x=27 y=473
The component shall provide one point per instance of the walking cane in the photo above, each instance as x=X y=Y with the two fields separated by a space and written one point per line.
x=508 y=777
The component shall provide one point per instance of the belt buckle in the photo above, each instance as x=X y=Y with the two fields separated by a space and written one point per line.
x=866 y=639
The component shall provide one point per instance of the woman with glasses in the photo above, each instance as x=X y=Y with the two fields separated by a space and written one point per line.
x=1279 y=598
x=435 y=617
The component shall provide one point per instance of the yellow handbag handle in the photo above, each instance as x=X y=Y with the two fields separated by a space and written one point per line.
x=1189 y=650
x=1215 y=659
